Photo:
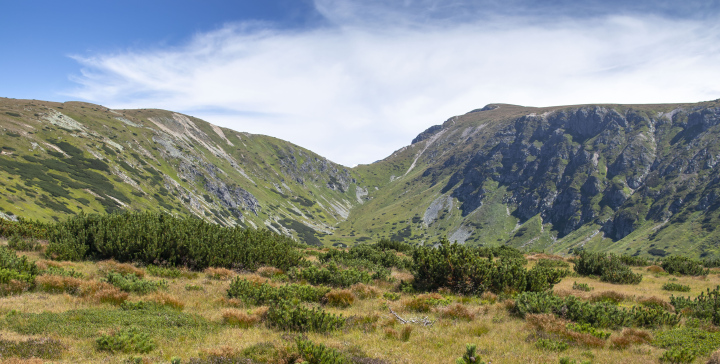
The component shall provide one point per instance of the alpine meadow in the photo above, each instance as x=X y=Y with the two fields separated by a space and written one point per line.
x=510 y=234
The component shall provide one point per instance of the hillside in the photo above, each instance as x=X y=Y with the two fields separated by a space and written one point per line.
x=636 y=179
x=626 y=178
x=60 y=159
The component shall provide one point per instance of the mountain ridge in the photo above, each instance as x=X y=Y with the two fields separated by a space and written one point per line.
x=539 y=178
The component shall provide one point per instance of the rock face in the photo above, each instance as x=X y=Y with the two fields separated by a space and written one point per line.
x=596 y=164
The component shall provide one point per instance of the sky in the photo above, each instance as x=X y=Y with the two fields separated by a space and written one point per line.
x=354 y=80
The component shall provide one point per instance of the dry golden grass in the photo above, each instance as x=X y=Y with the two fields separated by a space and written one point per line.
x=221 y=274
x=122 y=268
x=629 y=337
x=364 y=291
x=456 y=311
x=268 y=272
x=241 y=318
x=167 y=300
x=714 y=358
x=339 y=298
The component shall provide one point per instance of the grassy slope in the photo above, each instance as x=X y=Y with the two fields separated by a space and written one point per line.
x=143 y=175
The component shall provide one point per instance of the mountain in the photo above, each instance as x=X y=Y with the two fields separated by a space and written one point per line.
x=637 y=179
x=64 y=158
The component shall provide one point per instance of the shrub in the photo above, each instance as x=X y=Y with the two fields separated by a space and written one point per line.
x=23 y=244
x=695 y=341
x=220 y=274
x=426 y=302
x=582 y=334
x=676 y=287
x=339 y=298
x=464 y=270
x=319 y=353
x=655 y=269
x=61 y=272
x=367 y=257
x=596 y=314
x=551 y=345
x=287 y=316
x=581 y=287
x=470 y=356
x=392 y=296
x=633 y=261
x=157 y=238
x=610 y=268
x=255 y=293
x=629 y=337
x=364 y=291
x=169 y=272
x=676 y=264
x=132 y=283
x=194 y=287
x=553 y=263
x=16 y=268
x=705 y=306
x=331 y=275
x=678 y=355
x=130 y=340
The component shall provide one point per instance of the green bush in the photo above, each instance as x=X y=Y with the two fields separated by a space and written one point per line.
x=633 y=261
x=24 y=228
x=551 y=345
x=610 y=268
x=387 y=244
x=285 y=315
x=596 y=314
x=132 y=283
x=253 y=293
x=465 y=271
x=695 y=341
x=471 y=356
x=319 y=353
x=157 y=238
x=169 y=272
x=676 y=287
x=676 y=264
x=588 y=329
x=14 y=270
x=678 y=356
x=552 y=263
x=331 y=275
x=130 y=340
x=24 y=244
x=705 y=306
x=581 y=287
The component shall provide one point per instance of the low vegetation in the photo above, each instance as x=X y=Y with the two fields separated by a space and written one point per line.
x=373 y=303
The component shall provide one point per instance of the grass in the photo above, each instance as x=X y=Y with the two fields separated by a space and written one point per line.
x=199 y=323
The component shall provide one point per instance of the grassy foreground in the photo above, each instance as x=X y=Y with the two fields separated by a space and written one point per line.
x=334 y=307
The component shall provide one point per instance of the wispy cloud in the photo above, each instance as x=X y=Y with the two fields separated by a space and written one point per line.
x=378 y=74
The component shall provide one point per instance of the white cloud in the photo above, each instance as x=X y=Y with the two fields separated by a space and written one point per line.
x=365 y=86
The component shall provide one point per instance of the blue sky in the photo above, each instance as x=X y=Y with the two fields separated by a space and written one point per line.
x=354 y=80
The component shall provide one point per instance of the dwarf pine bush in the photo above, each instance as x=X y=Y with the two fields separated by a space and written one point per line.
x=157 y=238
x=706 y=306
x=331 y=275
x=610 y=268
x=676 y=264
x=596 y=314
x=255 y=293
x=285 y=315
x=465 y=270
